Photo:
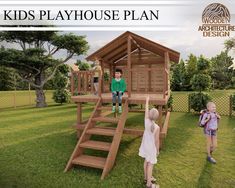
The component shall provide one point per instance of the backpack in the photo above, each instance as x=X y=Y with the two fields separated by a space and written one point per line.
x=202 y=113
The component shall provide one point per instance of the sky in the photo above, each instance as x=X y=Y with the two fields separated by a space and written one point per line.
x=187 y=39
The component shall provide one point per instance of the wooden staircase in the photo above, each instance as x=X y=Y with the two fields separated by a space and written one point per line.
x=79 y=158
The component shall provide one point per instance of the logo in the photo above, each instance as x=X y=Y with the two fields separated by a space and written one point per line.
x=216 y=21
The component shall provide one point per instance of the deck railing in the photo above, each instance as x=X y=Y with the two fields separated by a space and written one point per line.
x=82 y=82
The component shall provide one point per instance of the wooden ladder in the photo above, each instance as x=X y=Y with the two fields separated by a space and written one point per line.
x=79 y=158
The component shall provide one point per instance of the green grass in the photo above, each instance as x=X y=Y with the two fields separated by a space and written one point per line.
x=35 y=145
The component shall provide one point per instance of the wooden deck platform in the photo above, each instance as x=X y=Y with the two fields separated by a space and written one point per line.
x=157 y=99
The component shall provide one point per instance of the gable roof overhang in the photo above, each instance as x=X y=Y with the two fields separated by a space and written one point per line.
x=117 y=48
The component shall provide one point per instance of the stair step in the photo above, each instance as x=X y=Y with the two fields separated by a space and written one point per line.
x=90 y=161
x=106 y=119
x=106 y=113
x=105 y=108
x=101 y=131
x=98 y=145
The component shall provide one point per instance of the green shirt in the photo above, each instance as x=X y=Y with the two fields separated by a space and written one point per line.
x=118 y=85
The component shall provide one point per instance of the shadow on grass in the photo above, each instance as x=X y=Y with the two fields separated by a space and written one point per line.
x=179 y=132
x=205 y=176
x=38 y=116
x=135 y=120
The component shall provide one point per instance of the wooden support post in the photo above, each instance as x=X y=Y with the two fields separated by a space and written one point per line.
x=100 y=84
x=110 y=76
x=86 y=82
x=149 y=78
x=160 y=116
x=79 y=118
x=129 y=65
x=165 y=74
x=102 y=75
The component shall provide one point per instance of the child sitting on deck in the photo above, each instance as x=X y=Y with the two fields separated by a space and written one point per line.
x=210 y=122
x=118 y=88
x=149 y=148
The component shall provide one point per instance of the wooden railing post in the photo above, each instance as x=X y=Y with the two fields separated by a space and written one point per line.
x=85 y=79
x=92 y=82
x=129 y=65
x=100 y=84
x=79 y=82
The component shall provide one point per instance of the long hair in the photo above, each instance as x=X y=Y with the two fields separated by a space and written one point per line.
x=153 y=115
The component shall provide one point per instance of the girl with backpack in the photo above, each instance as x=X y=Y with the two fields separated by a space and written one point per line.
x=209 y=121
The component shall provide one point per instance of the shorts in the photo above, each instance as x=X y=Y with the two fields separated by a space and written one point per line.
x=96 y=79
x=210 y=132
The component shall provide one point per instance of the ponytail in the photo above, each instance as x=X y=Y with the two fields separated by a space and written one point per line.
x=152 y=127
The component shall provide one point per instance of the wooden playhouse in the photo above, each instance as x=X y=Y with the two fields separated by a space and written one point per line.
x=145 y=65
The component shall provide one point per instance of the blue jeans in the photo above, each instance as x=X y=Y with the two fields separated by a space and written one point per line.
x=115 y=95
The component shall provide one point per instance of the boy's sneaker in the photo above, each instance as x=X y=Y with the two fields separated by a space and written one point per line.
x=120 y=109
x=114 y=109
x=211 y=160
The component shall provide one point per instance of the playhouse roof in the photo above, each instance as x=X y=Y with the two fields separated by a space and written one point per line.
x=117 y=48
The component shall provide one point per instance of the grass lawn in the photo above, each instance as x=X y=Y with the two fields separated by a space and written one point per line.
x=35 y=145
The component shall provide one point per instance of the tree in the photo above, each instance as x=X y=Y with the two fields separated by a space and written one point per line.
x=6 y=78
x=61 y=94
x=34 y=53
x=82 y=65
x=230 y=45
x=222 y=71
x=200 y=81
x=203 y=65
x=191 y=69
x=178 y=77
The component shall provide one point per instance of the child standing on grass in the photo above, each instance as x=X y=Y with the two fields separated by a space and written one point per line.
x=118 y=87
x=149 y=148
x=210 y=122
